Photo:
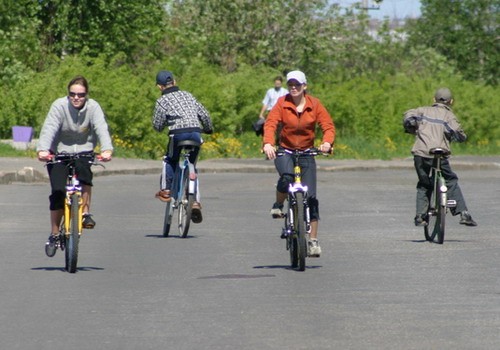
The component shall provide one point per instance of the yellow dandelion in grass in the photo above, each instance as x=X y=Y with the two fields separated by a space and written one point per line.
x=389 y=144
x=341 y=147
x=485 y=142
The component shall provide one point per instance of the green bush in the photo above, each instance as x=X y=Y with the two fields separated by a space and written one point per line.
x=367 y=110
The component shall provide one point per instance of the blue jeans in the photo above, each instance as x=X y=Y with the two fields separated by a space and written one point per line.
x=171 y=160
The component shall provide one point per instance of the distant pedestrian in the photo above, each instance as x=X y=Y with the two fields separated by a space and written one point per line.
x=268 y=103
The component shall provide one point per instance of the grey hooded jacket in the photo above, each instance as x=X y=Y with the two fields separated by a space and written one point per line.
x=71 y=130
x=433 y=126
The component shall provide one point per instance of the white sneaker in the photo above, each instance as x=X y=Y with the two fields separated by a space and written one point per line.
x=314 y=250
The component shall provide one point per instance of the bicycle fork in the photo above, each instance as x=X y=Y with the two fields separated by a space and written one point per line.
x=193 y=177
x=288 y=229
x=443 y=192
x=73 y=188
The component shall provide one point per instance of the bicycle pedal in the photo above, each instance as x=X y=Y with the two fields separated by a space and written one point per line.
x=451 y=203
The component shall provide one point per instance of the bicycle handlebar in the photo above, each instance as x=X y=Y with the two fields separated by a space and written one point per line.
x=94 y=158
x=307 y=152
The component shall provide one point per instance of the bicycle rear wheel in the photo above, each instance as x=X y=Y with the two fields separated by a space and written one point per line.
x=300 y=231
x=73 y=237
x=436 y=220
x=429 y=231
x=185 y=205
x=441 y=222
x=167 y=220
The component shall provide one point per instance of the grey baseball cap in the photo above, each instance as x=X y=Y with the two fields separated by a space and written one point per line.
x=443 y=94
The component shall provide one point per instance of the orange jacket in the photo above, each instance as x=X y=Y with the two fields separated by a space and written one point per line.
x=298 y=129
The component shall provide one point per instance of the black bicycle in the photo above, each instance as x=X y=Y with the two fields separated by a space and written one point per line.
x=185 y=188
x=297 y=225
x=71 y=226
x=439 y=202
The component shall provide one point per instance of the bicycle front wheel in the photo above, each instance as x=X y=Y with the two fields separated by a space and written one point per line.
x=300 y=231
x=73 y=237
x=185 y=206
x=291 y=240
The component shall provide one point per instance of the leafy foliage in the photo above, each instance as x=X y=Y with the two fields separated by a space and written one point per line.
x=466 y=32
x=227 y=53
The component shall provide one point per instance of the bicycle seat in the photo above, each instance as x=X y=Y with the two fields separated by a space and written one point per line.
x=439 y=151
x=188 y=144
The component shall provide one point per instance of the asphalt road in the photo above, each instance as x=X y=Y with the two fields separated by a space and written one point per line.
x=378 y=284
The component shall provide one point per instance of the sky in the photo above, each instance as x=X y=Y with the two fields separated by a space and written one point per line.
x=388 y=8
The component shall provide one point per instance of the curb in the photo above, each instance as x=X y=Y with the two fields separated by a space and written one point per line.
x=138 y=167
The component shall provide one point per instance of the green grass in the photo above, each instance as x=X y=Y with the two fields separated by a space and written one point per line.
x=7 y=150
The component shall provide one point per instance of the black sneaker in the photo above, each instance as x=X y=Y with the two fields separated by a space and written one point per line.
x=51 y=245
x=277 y=211
x=466 y=219
x=88 y=222
x=420 y=221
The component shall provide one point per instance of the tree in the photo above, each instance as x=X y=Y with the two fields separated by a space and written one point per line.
x=96 y=27
x=465 y=31
x=19 y=44
x=282 y=34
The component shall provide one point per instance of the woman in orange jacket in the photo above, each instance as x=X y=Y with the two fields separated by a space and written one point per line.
x=298 y=113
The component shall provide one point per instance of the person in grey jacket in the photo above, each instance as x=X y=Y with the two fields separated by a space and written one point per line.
x=186 y=119
x=74 y=124
x=435 y=126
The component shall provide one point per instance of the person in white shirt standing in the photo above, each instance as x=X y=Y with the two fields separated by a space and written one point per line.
x=268 y=103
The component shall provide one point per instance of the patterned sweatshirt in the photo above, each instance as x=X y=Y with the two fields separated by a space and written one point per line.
x=180 y=112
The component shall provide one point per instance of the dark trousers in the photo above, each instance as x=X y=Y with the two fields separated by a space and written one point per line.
x=58 y=175
x=426 y=183
x=284 y=164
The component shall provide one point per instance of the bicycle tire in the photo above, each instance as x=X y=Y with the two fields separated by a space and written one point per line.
x=435 y=228
x=167 y=220
x=300 y=231
x=73 y=237
x=185 y=205
x=291 y=240
x=429 y=231
x=440 y=223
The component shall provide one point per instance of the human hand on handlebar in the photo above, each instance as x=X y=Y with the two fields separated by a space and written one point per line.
x=105 y=156
x=326 y=147
x=270 y=151
x=45 y=156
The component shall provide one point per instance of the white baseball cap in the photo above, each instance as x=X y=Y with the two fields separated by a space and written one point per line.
x=296 y=75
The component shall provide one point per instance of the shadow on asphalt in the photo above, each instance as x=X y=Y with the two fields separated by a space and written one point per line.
x=446 y=240
x=170 y=236
x=286 y=267
x=62 y=269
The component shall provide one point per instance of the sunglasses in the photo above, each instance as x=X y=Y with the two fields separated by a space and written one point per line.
x=79 y=94
x=294 y=85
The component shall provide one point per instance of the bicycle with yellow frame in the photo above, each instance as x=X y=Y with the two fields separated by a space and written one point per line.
x=71 y=224
x=297 y=226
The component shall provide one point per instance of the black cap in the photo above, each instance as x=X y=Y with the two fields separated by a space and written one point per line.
x=164 y=77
